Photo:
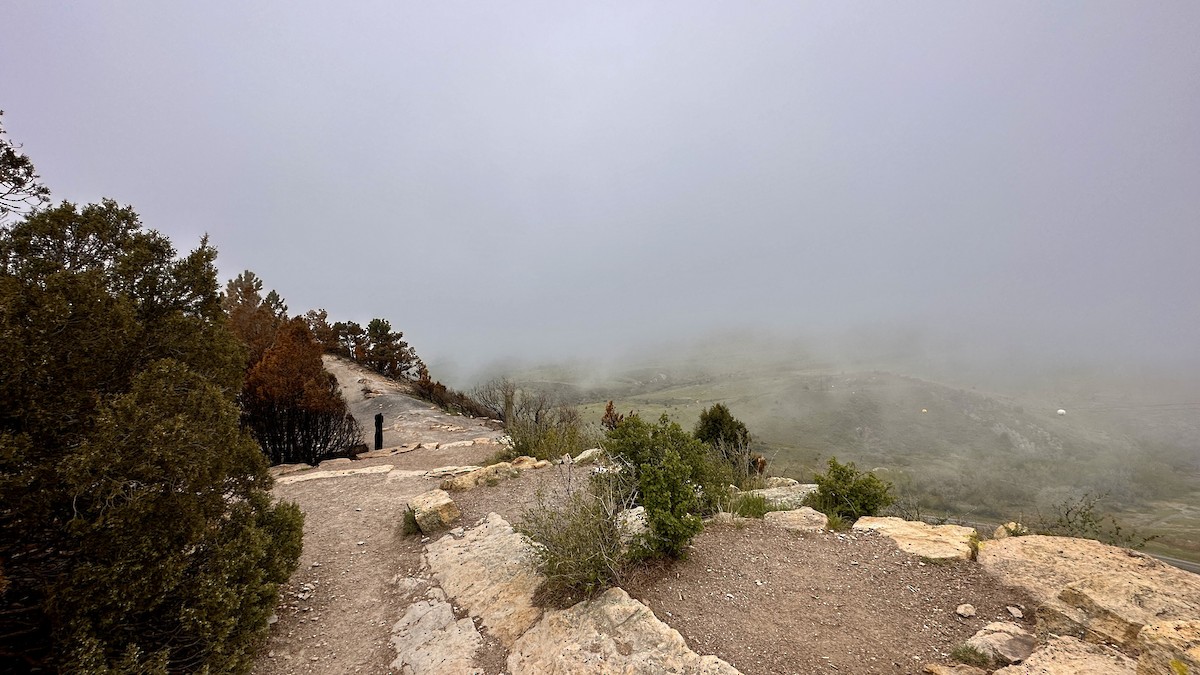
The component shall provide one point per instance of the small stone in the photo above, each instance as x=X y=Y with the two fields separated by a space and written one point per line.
x=965 y=610
x=1015 y=612
x=362 y=543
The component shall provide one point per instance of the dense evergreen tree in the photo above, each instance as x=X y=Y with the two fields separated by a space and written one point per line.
x=292 y=405
x=718 y=426
x=136 y=530
x=21 y=189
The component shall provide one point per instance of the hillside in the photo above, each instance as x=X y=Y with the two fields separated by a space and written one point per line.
x=951 y=451
x=369 y=598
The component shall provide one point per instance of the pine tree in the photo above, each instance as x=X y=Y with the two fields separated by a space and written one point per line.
x=136 y=527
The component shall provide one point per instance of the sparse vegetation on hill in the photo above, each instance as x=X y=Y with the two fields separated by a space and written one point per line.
x=136 y=530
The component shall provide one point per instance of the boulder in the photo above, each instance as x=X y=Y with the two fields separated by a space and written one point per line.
x=1063 y=655
x=788 y=497
x=589 y=456
x=495 y=472
x=936 y=542
x=434 y=510
x=1090 y=590
x=803 y=519
x=489 y=571
x=1170 y=647
x=429 y=639
x=1118 y=606
x=632 y=522
x=610 y=634
x=1005 y=642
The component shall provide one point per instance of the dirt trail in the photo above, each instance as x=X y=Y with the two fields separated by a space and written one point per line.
x=338 y=609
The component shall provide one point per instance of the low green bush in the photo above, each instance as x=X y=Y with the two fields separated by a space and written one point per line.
x=752 y=506
x=578 y=546
x=971 y=656
x=848 y=493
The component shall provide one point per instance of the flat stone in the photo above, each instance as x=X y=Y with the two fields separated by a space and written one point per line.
x=1063 y=655
x=434 y=510
x=429 y=640
x=331 y=463
x=936 y=542
x=317 y=475
x=467 y=481
x=780 y=481
x=803 y=519
x=443 y=471
x=1004 y=642
x=1090 y=590
x=1170 y=647
x=787 y=497
x=589 y=456
x=960 y=669
x=489 y=571
x=965 y=610
x=610 y=634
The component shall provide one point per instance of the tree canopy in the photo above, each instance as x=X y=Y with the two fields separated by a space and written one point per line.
x=21 y=189
x=136 y=530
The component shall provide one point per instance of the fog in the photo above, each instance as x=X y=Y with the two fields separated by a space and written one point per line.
x=1014 y=184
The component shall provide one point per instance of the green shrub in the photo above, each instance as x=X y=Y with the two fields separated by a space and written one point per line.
x=848 y=493
x=671 y=506
x=408 y=524
x=752 y=506
x=137 y=531
x=1078 y=517
x=636 y=443
x=971 y=656
x=837 y=523
x=578 y=546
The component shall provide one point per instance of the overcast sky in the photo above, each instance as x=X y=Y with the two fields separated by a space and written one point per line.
x=555 y=179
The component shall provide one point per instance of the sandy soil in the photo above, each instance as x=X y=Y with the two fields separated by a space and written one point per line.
x=765 y=600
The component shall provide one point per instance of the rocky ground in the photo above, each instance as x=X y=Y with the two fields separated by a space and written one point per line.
x=756 y=598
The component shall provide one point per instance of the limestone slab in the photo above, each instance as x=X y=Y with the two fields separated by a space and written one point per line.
x=610 y=634
x=936 y=542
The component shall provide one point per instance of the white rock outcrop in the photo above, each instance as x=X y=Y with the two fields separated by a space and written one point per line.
x=1170 y=647
x=936 y=542
x=1093 y=591
x=489 y=571
x=340 y=473
x=1063 y=655
x=429 y=640
x=610 y=634
x=488 y=474
x=803 y=519
x=786 y=497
